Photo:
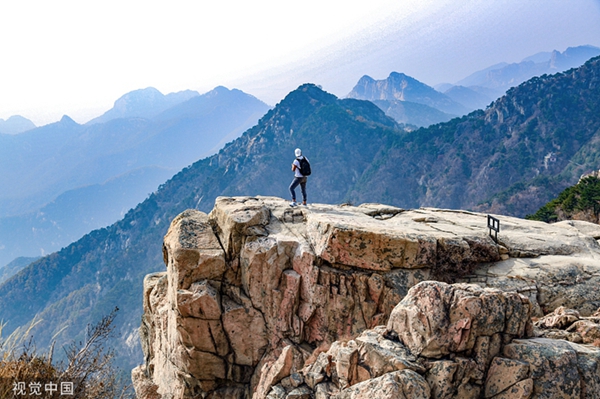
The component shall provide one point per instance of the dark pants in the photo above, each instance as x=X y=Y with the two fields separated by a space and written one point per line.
x=302 y=182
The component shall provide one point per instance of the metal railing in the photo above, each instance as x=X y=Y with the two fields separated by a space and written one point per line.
x=494 y=225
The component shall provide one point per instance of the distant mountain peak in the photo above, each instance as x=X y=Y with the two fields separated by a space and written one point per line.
x=15 y=118
x=309 y=86
x=219 y=90
x=366 y=79
x=503 y=76
x=307 y=92
x=143 y=103
x=146 y=92
x=400 y=75
x=15 y=124
x=67 y=120
x=401 y=87
x=148 y=96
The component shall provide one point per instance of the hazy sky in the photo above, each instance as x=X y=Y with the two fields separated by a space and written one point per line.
x=77 y=57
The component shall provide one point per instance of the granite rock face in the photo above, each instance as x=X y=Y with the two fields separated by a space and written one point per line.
x=450 y=341
x=441 y=341
x=263 y=300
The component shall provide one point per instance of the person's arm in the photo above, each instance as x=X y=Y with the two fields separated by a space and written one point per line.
x=294 y=167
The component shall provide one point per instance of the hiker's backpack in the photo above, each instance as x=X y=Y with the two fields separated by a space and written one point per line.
x=304 y=167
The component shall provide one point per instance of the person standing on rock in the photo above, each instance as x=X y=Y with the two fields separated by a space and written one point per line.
x=301 y=169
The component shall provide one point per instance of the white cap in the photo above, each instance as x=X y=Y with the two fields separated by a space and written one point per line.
x=298 y=152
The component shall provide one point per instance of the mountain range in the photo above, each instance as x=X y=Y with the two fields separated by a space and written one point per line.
x=412 y=102
x=501 y=77
x=541 y=134
x=54 y=170
x=510 y=158
x=143 y=103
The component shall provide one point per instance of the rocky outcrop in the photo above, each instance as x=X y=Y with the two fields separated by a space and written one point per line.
x=263 y=300
x=553 y=264
x=441 y=341
x=448 y=341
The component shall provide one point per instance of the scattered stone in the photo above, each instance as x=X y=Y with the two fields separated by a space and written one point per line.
x=560 y=318
x=569 y=325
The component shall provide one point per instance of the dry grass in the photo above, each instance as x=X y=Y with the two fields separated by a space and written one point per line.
x=88 y=367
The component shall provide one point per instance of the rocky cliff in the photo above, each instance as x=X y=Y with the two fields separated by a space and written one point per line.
x=263 y=300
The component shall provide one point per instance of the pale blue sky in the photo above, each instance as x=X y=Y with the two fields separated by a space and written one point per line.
x=78 y=57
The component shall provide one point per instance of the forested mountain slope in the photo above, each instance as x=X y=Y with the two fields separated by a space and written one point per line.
x=511 y=158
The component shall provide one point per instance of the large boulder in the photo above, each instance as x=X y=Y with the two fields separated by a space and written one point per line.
x=436 y=319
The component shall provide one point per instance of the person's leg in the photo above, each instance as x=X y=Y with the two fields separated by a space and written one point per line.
x=293 y=186
x=303 y=189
